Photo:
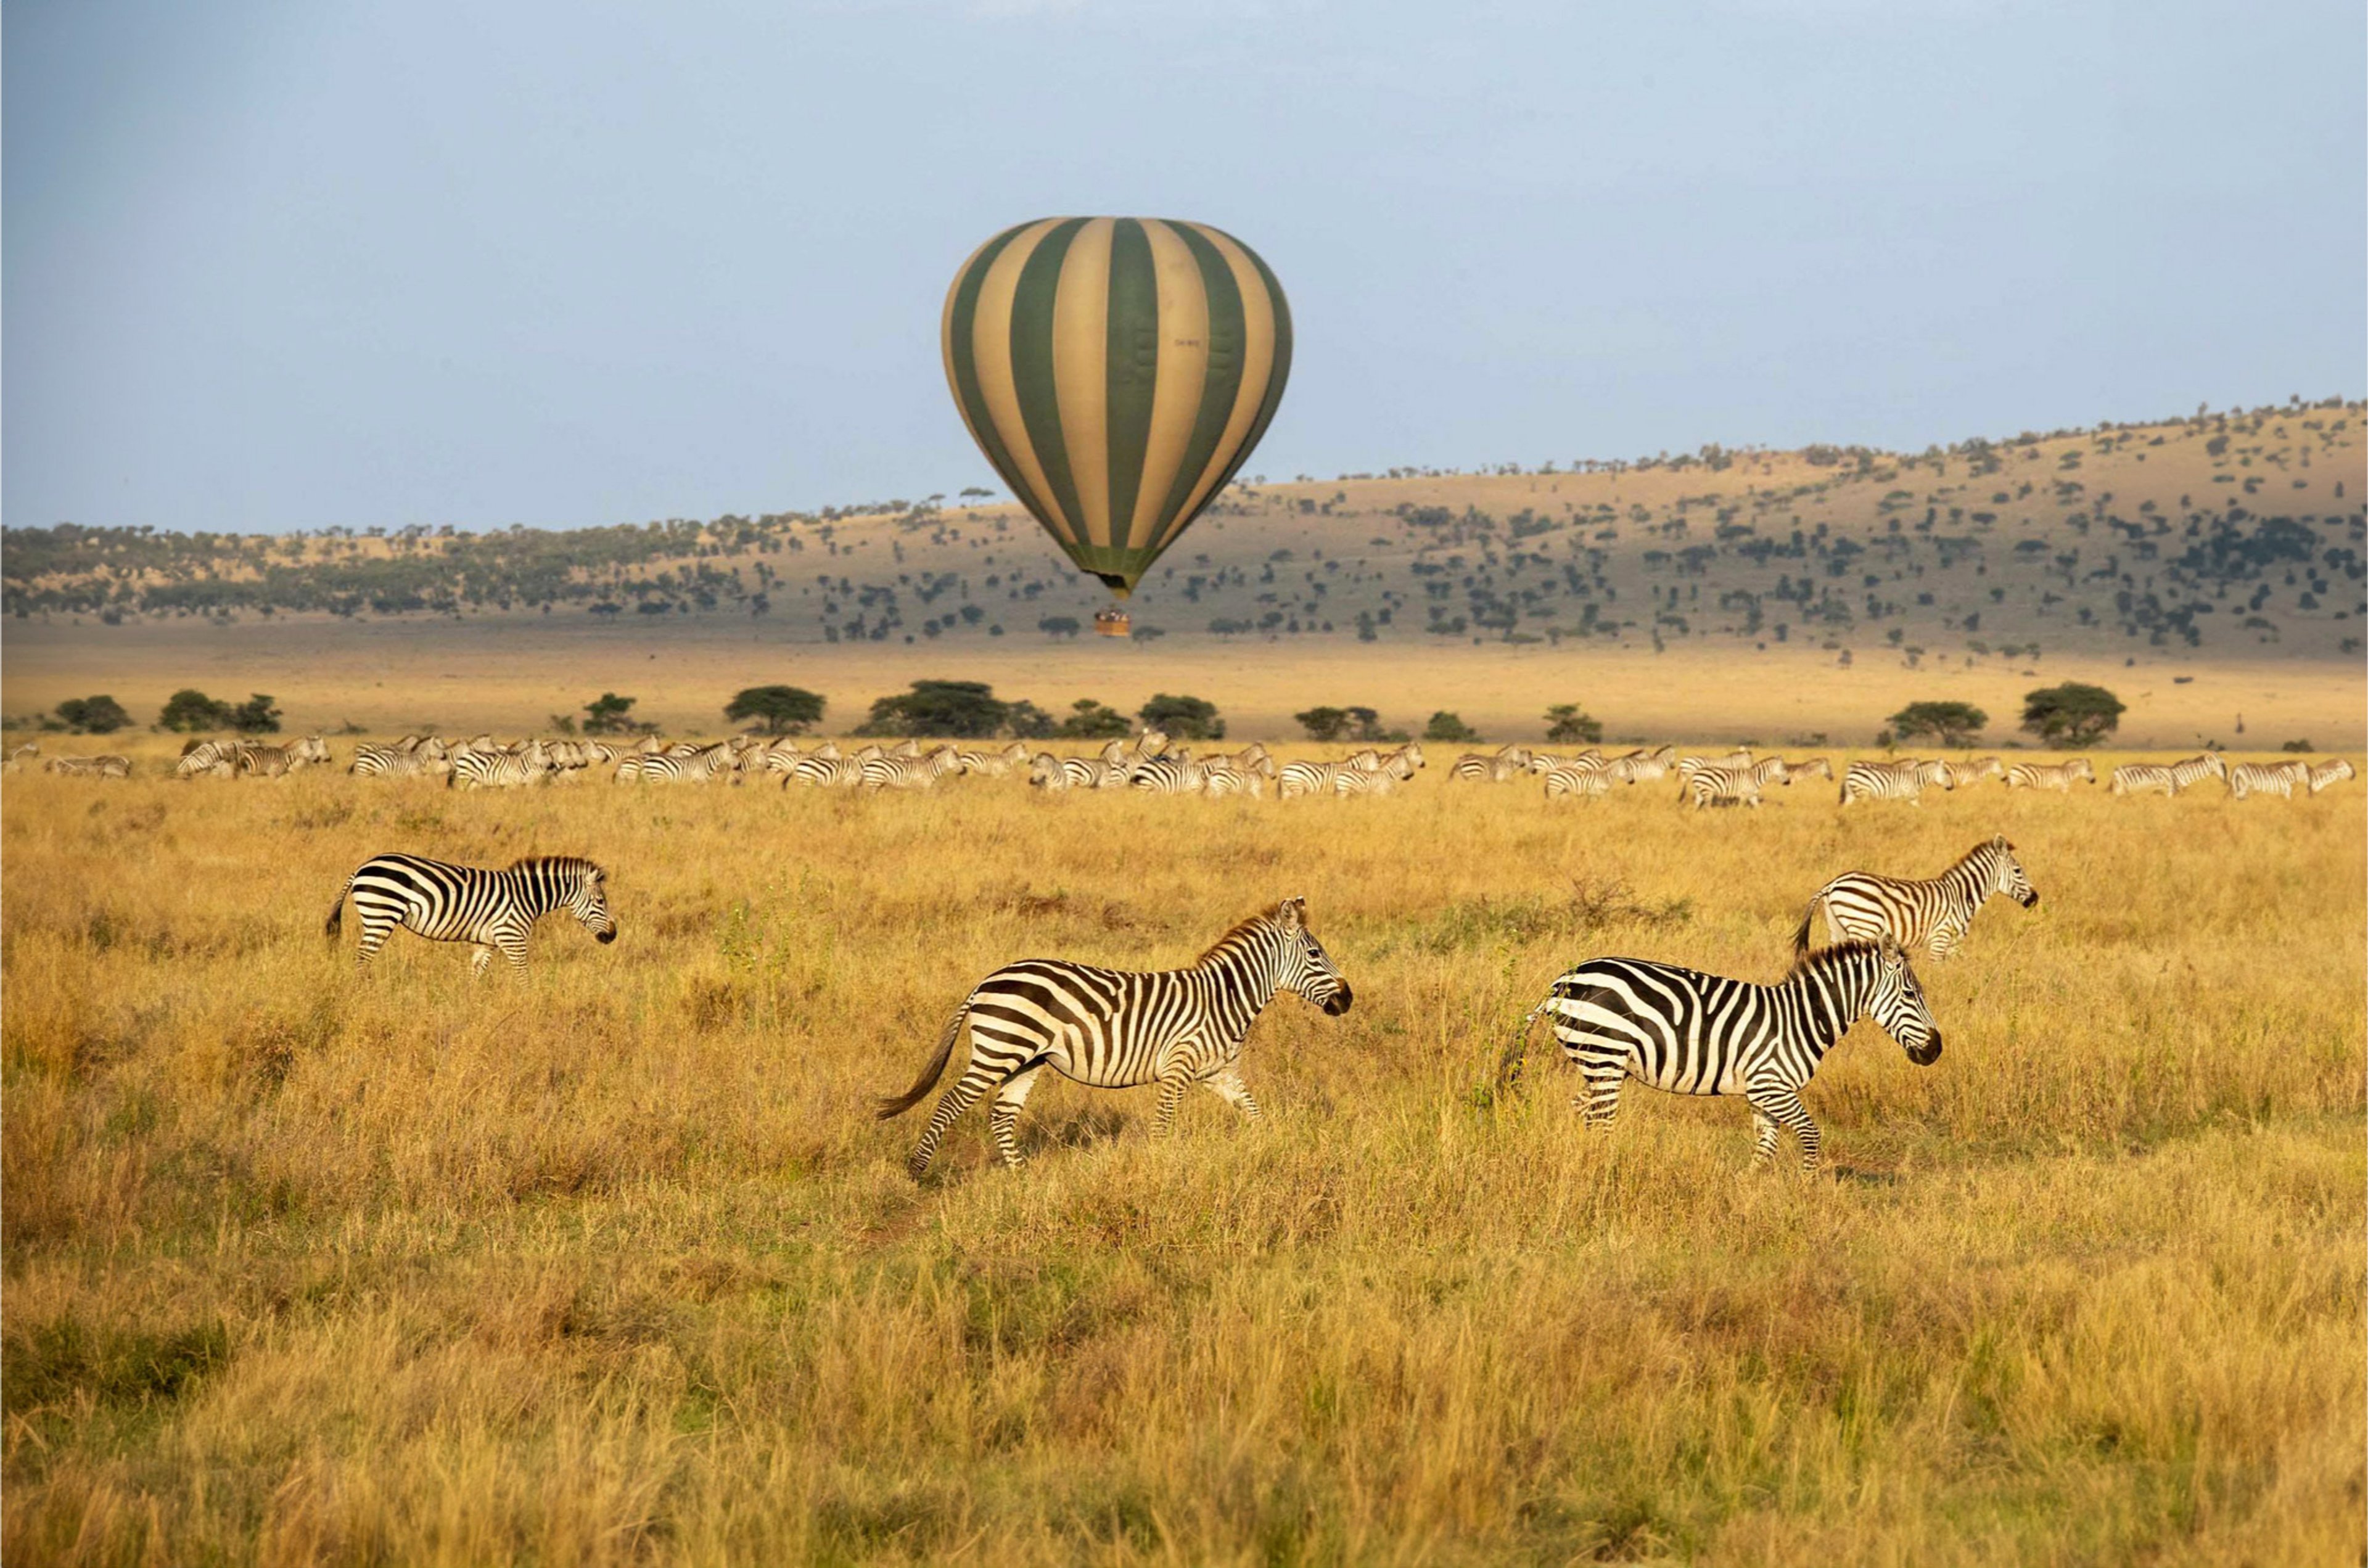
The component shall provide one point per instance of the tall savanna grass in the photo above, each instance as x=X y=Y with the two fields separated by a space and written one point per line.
x=613 y=1265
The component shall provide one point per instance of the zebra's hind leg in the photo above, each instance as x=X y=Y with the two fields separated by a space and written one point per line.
x=977 y=1078
x=1600 y=1104
x=1003 y=1116
x=1226 y=1085
x=480 y=960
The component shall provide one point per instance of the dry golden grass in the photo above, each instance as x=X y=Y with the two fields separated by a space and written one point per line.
x=612 y=1266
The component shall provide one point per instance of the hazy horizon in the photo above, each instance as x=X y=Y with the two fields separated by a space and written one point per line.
x=566 y=268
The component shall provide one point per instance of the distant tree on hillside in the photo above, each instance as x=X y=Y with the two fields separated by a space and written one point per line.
x=785 y=710
x=1059 y=625
x=1448 y=728
x=607 y=715
x=1323 y=724
x=2071 y=714
x=1091 y=720
x=1568 y=721
x=1184 y=717
x=1949 y=723
x=943 y=710
x=92 y=715
x=189 y=708
x=256 y=716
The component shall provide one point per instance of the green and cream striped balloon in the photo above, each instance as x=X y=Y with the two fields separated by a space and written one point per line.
x=1117 y=372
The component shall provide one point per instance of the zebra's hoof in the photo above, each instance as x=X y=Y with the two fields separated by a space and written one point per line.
x=916 y=1167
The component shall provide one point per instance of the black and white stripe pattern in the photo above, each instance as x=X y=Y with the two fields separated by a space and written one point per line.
x=278 y=762
x=2327 y=773
x=1712 y=784
x=1643 y=767
x=110 y=766
x=1501 y=767
x=1114 y=1029
x=493 y=909
x=1932 y=913
x=1691 y=1033
x=900 y=772
x=1587 y=776
x=478 y=769
x=2056 y=776
x=2143 y=778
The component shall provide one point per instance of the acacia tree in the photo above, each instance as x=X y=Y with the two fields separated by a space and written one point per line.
x=1569 y=722
x=1091 y=721
x=1448 y=728
x=1185 y=717
x=1949 y=723
x=785 y=710
x=605 y=715
x=2071 y=714
x=189 y=708
x=92 y=715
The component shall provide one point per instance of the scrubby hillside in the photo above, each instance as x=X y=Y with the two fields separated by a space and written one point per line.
x=2228 y=533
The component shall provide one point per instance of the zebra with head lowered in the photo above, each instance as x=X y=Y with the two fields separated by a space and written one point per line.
x=1901 y=780
x=2324 y=774
x=1933 y=914
x=1115 y=1028
x=1640 y=767
x=278 y=762
x=472 y=903
x=1691 y=1033
x=2056 y=776
x=107 y=766
x=2141 y=778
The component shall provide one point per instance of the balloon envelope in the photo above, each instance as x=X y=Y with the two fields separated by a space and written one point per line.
x=1117 y=372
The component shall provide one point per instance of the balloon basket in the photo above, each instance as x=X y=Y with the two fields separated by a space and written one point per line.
x=1112 y=623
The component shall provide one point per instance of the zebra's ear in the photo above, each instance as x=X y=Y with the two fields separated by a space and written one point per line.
x=1292 y=912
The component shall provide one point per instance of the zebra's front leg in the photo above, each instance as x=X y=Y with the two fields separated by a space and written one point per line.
x=1600 y=1104
x=479 y=960
x=1002 y=1116
x=1774 y=1107
x=1226 y=1085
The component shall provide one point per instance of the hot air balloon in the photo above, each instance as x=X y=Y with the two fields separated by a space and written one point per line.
x=1117 y=372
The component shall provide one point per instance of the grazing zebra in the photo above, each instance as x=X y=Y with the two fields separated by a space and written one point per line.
x=499 y=770
x=1640 y=767
x=2279 y=779
x=2057 y=776
x=1932 y=914
x=472 y=903
x=1507 y=763
x=1115 y=1028
x=216 y=760
x=1809 y=767
x=1901 y=780
x=1349 y=781
x=684 y=763
x=107 y=766
x=2328 y=773
x=2141 y=778
x=1690 y=1033
x=1050 y=772
x=1229 y=776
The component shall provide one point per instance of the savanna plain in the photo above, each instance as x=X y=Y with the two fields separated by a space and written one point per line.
x=614 y=1263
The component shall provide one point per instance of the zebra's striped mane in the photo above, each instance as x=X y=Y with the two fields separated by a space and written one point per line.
x=551 y=862
x=1819 y=960
x=1262 y=920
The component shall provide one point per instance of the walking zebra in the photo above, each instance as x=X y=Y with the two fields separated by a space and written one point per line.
x=477 y=769
x=2279 y=779
x=1690 y=1033
x=1176 y=774
x=897 y=772
x=1712 y=785
x=1901 y=780
x=1348 y=781
x=1298 y=779
x=1115 y=1028
x=1640 y=766
x=1587 y=777
x=994 y=764
x=2141 y=778
x=215 y=759
x=684 y=764
x=1050 y=772
x=1933 y=914
x=1503 y=765
x=1230 y=776
x=2056 y=776
x=1810 y=767
x=2328 y=773
x=1975 y=770
x=278 y=762
x=472 y=903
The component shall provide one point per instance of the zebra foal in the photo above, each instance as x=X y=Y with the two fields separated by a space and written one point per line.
x=1933 y=914
x=1689 y=1033
x=1116 y=1029
x=492 y=909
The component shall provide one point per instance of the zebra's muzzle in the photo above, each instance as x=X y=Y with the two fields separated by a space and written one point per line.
x=605 y=938
x=2032 y=902
x=1928 y=1054
x=1338 y=1001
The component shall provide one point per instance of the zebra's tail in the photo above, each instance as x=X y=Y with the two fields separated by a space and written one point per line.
x=336 y=921
x=1808 y=919
x=897 y=1105
x=1517 y=1051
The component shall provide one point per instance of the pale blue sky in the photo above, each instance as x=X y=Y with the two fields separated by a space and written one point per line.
x=273 y=266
